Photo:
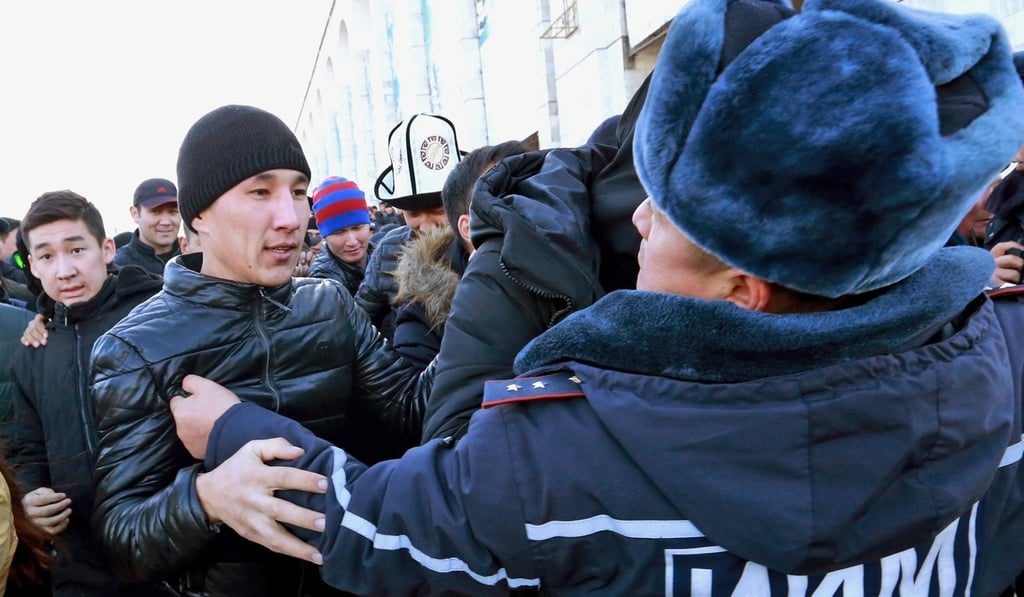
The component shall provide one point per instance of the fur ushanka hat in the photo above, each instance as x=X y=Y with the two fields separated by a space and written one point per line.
x=838 y=151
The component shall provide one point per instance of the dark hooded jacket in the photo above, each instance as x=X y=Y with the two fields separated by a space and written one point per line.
x=302 y=349
x=553 y=232
x=326 y=265
x=142 y=255
x=52 y=440
x=866 y=450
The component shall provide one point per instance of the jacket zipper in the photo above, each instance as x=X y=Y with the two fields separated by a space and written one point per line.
x=557 y=315
x=83 y=392
x=261 y=329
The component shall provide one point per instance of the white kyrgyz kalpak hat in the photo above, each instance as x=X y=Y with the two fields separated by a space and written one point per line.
x=423 y=150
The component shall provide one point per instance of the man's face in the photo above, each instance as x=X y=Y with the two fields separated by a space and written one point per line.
x=423 y=220
x=10 y=244
x=254 y=232
x=349 y=244
x=671 y=262
x=158 y=227
x=69 y=261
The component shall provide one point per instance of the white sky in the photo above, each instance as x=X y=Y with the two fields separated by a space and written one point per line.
x=96 y=95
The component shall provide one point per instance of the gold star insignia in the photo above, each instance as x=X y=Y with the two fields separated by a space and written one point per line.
x=512 y=387
x=575 y=379
x=538 y=384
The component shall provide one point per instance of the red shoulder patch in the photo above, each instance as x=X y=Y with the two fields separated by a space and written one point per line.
x=556 y=386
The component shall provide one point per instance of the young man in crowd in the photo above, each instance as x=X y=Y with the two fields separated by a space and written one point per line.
x=344 y=224
x=806 y=394
x=155 y=242
x=51 y=441
x=299 y=346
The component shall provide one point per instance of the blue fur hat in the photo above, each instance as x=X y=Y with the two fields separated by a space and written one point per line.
x=837 y=152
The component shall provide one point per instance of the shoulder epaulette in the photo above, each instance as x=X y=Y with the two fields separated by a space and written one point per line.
x=524 y=389
x=1016 y=290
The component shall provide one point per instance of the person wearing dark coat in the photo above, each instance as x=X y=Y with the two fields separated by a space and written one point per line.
x=416 y=190
x=784 y=405
x=13 y=282
x=235 y=313
x=155 y=241
x=51 y=441
x=431 y=264
x=343 y=220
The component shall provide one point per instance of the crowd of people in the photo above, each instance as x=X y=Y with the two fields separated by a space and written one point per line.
x=757 y=336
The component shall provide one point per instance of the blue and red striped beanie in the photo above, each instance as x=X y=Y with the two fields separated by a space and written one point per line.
x=339 y=203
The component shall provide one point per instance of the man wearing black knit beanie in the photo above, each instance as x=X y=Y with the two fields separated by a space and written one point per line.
x=234 y=313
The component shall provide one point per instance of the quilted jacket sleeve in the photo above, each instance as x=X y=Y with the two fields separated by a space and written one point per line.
x=146 y=511
x=392 y=389
x=440 y=520
x=372 y=295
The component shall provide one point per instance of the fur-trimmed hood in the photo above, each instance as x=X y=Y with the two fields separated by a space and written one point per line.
x=425 y=273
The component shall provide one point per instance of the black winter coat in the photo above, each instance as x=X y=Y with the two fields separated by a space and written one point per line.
x=329 y=267
x=302 y=349
x=52 y=441
x=376 y=294
x=553 y=232
x=142 y=255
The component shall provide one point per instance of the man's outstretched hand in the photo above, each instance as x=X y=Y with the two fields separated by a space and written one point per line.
x=240 y=493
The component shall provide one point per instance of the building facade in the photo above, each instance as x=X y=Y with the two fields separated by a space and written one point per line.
x=542 y=71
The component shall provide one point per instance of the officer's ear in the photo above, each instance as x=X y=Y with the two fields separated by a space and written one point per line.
x=749 y=292
x=464 y=229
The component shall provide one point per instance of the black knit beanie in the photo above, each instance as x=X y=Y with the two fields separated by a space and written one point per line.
x=227 y=146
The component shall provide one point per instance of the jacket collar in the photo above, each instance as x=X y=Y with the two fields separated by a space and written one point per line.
x=183 y=279
x=60 y=314
x=715 y=341
x=121 y=282
x=149 y=251
x=345 y=266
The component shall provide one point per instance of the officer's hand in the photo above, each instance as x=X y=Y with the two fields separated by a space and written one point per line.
x=240 y=493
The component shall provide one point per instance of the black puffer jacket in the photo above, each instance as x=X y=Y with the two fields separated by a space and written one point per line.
x=142 y=255
x=302 y=349
x=52 y=440
x=553 y=231
x=329 y=267
x=376 y=294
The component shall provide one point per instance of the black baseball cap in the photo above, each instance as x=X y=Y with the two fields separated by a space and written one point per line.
x=5 y=226
x=155 y=192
